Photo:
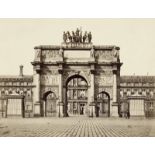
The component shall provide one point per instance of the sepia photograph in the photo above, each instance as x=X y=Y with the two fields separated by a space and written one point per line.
x=77 y=77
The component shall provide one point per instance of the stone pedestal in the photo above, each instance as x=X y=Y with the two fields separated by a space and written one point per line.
x=60 y=109
x=92 y=110
x=37 y=108
x=114 y=110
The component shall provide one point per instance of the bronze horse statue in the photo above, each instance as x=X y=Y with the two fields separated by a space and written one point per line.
x=69 y=37
x=77 y=37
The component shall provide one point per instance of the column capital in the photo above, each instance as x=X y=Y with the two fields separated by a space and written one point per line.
x=60 y=68
x=114 y=71
x=60 y=71
x=38 y=72
x=92 y=104
x=115 y=104
x=92 y=69
x=61 y=49
x=37 y=68
x=60 y=103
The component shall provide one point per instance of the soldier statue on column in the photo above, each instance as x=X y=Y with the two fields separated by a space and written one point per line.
x=73 y=37
x=85 y=37
x=80 y=37
x=77 y=35
x=64 y=37
x=89 y=37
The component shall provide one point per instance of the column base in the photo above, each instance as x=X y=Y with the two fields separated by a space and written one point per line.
x=36 y=109
x=60 y=109
x=114 y=110
x=92 y=110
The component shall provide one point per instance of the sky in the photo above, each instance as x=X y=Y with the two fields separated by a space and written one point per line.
x=135 y=37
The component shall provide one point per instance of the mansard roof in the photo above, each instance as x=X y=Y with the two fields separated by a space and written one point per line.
x=16 y=78
x=137 y=79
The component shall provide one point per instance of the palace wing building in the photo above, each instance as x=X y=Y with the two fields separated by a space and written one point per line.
x=77 y=78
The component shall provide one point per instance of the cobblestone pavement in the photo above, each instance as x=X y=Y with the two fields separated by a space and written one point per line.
x=76 y=127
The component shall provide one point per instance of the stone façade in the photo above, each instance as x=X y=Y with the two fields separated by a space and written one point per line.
x=99 y=66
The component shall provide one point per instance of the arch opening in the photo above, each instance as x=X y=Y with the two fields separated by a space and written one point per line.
x=50 y=101
x=77 y=95
x=103 y=104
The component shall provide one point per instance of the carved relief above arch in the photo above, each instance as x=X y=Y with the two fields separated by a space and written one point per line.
x=104 y=80
x=84 y=74
x=48 y=89
x=47 y=79
x=108 y=90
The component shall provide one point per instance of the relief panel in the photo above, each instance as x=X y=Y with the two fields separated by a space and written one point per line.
x=109 y=90
x=53 y=89
x=49 y=79
x=104 y=80
x=50 y=55
x=84 y=73
x=106 y=55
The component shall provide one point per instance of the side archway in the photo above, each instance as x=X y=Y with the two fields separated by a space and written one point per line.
x=50 y=103
x=103 y=104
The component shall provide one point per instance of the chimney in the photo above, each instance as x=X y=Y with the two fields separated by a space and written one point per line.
x=21 y=70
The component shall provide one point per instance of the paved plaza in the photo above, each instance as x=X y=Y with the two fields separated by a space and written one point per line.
x=76 y=127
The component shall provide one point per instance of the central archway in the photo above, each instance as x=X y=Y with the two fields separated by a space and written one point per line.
x=77 y=95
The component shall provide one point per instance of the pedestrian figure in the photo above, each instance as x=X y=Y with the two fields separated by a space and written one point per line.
x=128 y=114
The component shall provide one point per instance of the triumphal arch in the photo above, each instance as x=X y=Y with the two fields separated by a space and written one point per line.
x=76 y=78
